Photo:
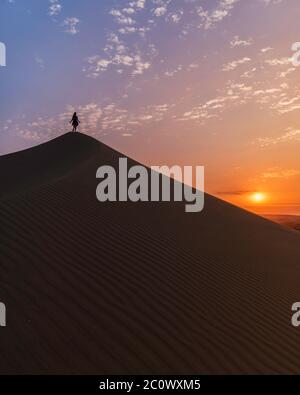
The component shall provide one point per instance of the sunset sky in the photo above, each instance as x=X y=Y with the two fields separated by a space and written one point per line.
x=188 y=82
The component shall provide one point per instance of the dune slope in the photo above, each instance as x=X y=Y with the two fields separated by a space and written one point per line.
x=140 y=288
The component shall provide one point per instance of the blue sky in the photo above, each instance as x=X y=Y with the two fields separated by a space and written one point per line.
x=165 y=81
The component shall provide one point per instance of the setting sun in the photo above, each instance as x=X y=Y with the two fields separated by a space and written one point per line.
x=258 y=197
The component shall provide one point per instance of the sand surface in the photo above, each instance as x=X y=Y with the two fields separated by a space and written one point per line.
x=140 y=288
x=291 y=221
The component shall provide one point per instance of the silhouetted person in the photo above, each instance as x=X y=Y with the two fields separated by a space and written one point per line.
x=75 y=122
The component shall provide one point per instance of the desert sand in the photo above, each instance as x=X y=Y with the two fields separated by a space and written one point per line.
x=136 y=288
x=291 y=221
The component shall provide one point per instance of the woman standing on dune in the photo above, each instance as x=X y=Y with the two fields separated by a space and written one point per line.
x=75 y=122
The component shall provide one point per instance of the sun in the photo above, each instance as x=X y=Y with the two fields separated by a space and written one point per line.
x=258 y=197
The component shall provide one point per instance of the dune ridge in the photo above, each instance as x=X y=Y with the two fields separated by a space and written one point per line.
x=136 y=288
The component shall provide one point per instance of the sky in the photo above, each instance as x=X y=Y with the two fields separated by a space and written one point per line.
x=185 y=82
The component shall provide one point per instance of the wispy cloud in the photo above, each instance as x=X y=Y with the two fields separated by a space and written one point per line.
x=71 y=25
x=238 y=42
x=210 y=18
x=235 y=63
x=54 y=8
x=289 y=135
x=279 y=173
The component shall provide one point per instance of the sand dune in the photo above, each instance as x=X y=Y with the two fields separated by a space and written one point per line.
x=291 y=221
x=140 y=288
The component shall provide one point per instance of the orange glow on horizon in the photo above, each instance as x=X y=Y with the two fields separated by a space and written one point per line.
x=264 y=203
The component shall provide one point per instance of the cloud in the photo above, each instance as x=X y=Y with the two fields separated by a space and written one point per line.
x=209 y=109
x=55 y=8
x=121 y=18
x=269 y=2
x=278 y=62
x=210 y=18
x=171 y=73
x=160 y=11
x=287 y=104
x=284 y=74
x=96 y=120
x=238 y=42
x=120 y=57
x=39 y=61
x=70 y=25
x=234 y=64
x=266 y=49
x=143 y=17
x=234 y=193
x=273 y=174
x=119 y=60
x=289 y=135
x=175 y=17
